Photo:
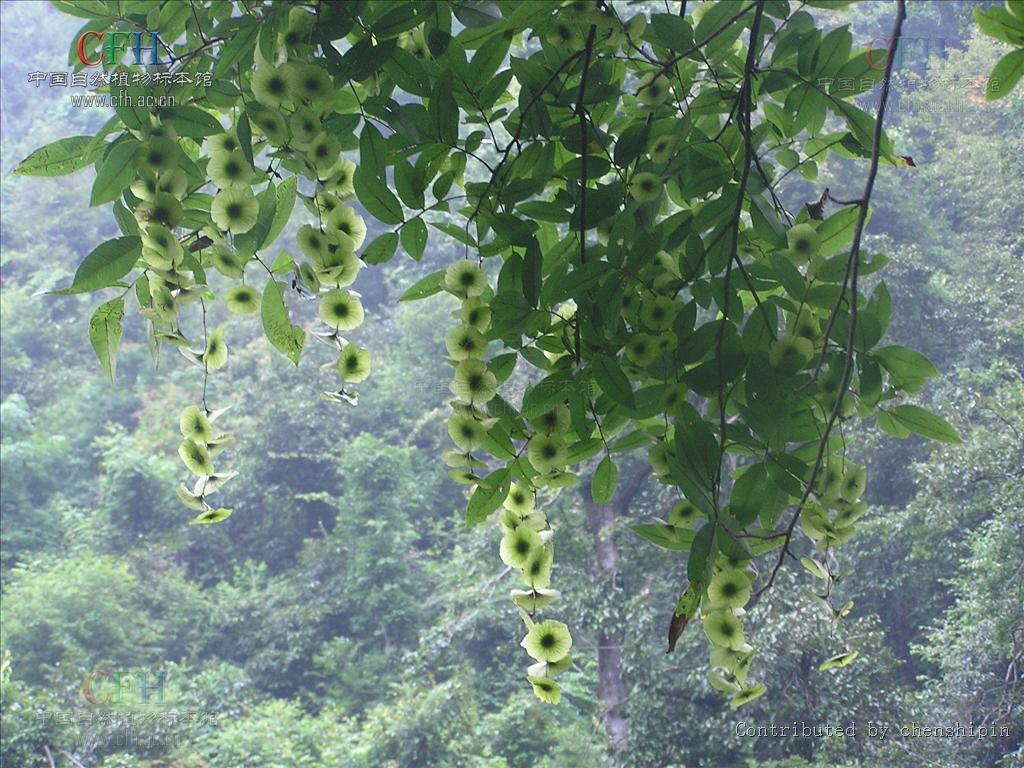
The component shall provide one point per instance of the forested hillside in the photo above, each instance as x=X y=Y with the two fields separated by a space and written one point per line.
x=344 y=615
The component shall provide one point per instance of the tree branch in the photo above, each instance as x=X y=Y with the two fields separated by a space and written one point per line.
x=582 y=206
x=852 y=267
x=518 y=132
x=746 y=107
x=696 y=46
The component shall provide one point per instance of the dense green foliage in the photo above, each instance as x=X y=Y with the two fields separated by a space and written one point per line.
x=342 y=617
x=726 y=346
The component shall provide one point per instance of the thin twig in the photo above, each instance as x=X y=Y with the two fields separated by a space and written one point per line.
x=746 y=107
x=852 y=266
x=696 y=46
x=72 y=759
x=518 y=132
x=581 y=112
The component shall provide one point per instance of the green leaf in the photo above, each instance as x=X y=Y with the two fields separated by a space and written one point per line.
x=701 y=554
x=376 y=198
x=751 y=493
x=542 y=211
x=285 y=203
x=748 y=695
x=212 y=516
x=924 y=423
x=288 y=339
x=498 y=443
x=105 y=334
x=248 y=243
x=381 y=249
x=806 y=106
x=670 y=31
x=244 y=133
x=442 y=110
x=834 y=52
x=839 y=661
x=283 y=264
x=766 y=222
x=410 y=184
x=602 y=484
x=837 y=230
x=127 y=104
x=125 y=220
x=860 y=73
x=488 y=496
x=788 y=275
x=172 y=20
x=239 y=47
x=61 y=157
x=533 y=263
x=414 y=238
x=685 y=608
x=630 y=442
x=547 y=393
x=503 y=365
x=697 y=450
x=888 y=424
x=583 y=450
x=83 y=9
x=373 y=151
x=455 y=232
x=363 y=59
x=731 y=545
x=105 y=265
x=612 y=380
x=717 y=18
x=476 y=17
x=908 y=367
x=116 y=172
x=814 y=568
x=862 y=128
x=192 y=121
x=1006 y=74
x=487 y=59
x=665 y=536
x=408 y=72
x=428 y=286
x=509 y=311
x=1001 y=24
x=399 y=19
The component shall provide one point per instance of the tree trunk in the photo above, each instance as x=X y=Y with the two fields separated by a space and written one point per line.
x=612 y=688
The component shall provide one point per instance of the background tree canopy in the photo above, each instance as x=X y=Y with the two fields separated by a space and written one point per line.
x=670 y=322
